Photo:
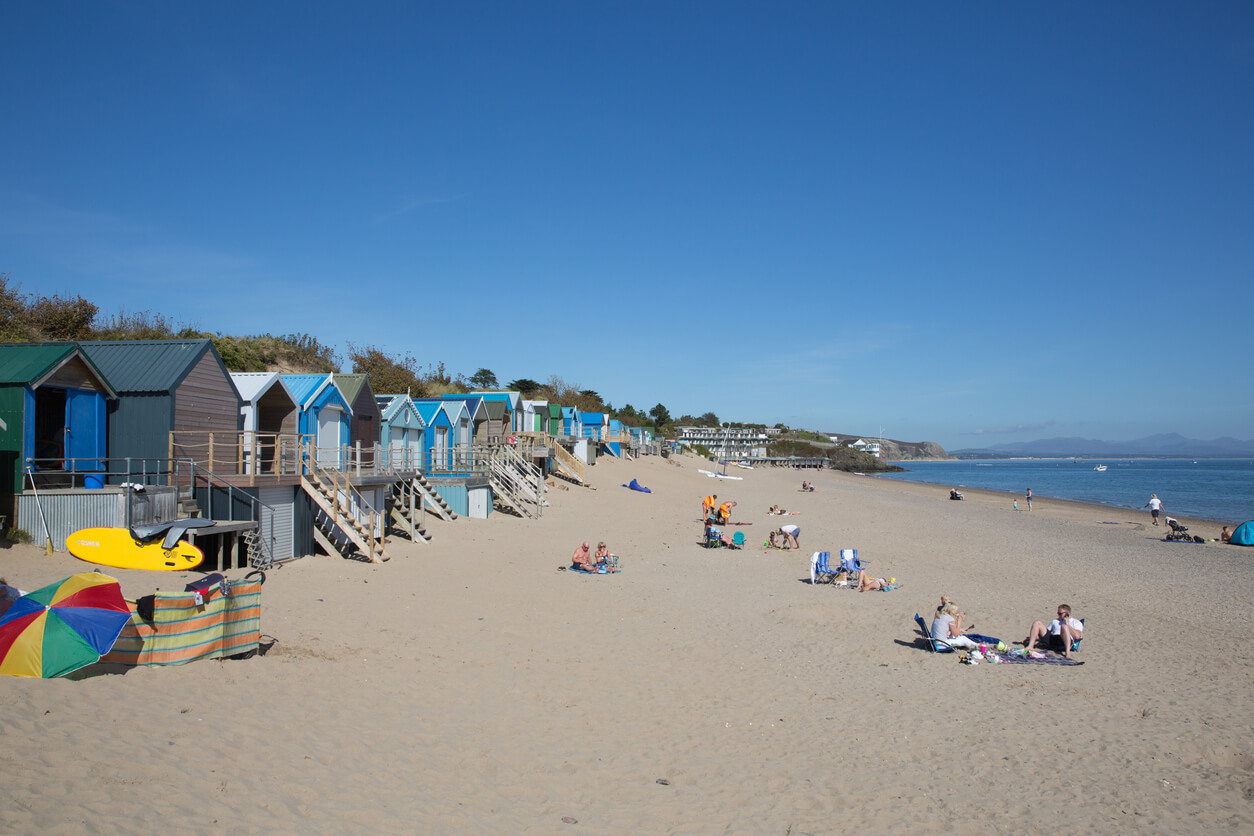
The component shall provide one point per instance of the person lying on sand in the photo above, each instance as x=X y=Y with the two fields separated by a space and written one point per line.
x=866 y=583
x=1059 y=635
x=776 y=511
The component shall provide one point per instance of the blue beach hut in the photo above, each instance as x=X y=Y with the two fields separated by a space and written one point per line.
x=324 y=415
x=441 y=435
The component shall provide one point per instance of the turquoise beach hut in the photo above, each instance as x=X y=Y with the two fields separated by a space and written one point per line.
x=402 y=431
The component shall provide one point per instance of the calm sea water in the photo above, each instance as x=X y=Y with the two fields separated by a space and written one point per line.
x=1213 y=489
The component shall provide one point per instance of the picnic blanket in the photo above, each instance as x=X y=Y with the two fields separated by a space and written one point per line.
x=1038 y=657
x=225 y=622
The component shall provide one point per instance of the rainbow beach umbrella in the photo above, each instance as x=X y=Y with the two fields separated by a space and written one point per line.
x=62 y=627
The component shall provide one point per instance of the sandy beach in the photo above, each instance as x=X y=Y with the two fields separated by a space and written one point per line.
x=468 y=686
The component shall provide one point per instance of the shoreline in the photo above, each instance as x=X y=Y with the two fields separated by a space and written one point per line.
x=468 y=685
x=1188 y=519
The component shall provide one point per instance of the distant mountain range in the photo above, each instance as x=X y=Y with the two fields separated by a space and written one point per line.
x=1168 y=444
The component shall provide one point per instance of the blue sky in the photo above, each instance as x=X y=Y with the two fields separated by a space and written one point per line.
x=968 y=223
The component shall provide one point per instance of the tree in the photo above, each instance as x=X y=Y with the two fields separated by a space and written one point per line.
x=709 y=419
x=660 y=415
x=525 y=385
x=484 y=379
x=387 y=375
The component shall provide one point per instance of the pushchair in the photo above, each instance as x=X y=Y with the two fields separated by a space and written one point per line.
x=1178 y=531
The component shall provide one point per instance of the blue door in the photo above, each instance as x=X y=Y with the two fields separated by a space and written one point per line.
x=85 y=429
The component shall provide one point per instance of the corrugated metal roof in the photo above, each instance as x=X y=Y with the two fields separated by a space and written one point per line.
x=28 y=362
x=349 y=385
x=304 y=386
x=145 y=365
x=252 y=385
x=429 y=410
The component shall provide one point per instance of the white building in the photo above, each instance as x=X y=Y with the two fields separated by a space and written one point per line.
x=872 y=447
x=727 y=443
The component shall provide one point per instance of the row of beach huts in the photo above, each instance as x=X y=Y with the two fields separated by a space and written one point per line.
x=126 y=433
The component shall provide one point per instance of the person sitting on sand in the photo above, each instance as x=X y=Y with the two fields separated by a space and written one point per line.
x=947 y=626
x=953 y=494
x=8 y=595
x=806 y=486
x=1225 y=536
x=1061 y=633
x=866 y=583
x=789 y=533
x=602 y=555
x=582 y=560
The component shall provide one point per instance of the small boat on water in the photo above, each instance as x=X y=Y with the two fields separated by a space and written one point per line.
x=1101 y=468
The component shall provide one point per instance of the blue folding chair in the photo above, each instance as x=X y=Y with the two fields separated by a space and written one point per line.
x=849 y=562
x=819 y=568
x=934 y=645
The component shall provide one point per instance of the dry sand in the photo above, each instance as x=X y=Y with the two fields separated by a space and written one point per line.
x=467 y=686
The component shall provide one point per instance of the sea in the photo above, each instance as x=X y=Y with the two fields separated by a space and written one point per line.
x=1210 y=489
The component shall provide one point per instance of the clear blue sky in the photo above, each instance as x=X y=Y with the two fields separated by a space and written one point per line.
x=969 y=223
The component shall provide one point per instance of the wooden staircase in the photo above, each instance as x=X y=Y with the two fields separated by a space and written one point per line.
x=406 y=508
x=345 y=521
x=570 y=465
x=433 y=499
x=516 y=480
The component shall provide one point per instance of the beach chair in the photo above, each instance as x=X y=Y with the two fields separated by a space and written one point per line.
x=820 y=568
x=935 y=645
x=738 y=540
x=850 y=563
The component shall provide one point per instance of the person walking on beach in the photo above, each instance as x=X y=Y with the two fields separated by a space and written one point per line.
x=1028 y=497
x=1155 y=505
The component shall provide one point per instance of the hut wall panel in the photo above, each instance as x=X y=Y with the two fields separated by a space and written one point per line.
x=206 y=401
x=278 y=518
x=75 y=375
x=70 y=511
x=139 y=427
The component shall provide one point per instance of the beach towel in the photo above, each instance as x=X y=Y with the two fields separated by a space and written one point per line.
x=1038 y=657
x=227 y=622
x=636 y=486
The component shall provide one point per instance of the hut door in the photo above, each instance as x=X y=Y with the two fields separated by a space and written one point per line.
x=85 y=429
x=329 y=436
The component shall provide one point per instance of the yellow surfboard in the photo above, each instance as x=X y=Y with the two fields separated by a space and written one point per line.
x=117 y=548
